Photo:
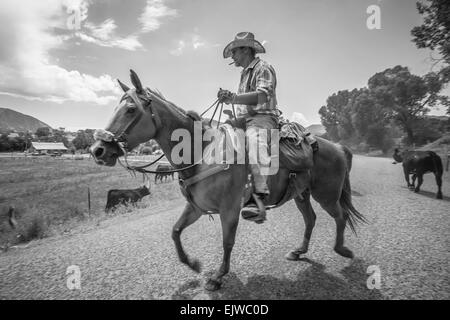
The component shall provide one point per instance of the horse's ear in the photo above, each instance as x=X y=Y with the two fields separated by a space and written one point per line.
x=136 y=82
x=123 y=86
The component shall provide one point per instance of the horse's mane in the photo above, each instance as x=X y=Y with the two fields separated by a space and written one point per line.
x=193 y=115
x=161 y=97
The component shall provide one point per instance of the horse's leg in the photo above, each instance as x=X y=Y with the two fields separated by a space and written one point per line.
x=413 y=178
x=309 y=216
x=188 y=217
x=406 y=173
x=229 y=221
x=439 y=184
x=419 y=181
x=335 y=210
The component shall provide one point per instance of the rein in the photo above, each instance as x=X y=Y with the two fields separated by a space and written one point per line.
x=142 y=169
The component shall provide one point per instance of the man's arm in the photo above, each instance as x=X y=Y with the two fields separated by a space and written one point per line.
x=249 y=98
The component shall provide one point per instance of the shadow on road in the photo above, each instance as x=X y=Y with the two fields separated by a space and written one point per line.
x=356 y=193
x=428 y=194
x=432 y=195
x=313 y=283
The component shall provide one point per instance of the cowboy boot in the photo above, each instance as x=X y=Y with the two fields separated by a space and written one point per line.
x=258 y=213
x=255 y=213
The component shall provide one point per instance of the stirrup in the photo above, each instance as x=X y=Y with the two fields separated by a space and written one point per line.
x=255 y=213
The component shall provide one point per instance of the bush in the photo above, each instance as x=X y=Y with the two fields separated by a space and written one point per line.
x=35 y=228
x=362 y=147
x=70 y=212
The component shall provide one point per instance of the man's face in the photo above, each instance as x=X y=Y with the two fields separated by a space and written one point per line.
x=238 y=55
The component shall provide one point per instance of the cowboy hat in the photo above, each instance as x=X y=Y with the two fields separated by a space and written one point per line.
x=243 y=39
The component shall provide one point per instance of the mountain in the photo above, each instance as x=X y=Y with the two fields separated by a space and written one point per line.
x=316 y=129
x=13 y=120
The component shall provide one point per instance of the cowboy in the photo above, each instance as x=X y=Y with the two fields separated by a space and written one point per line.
x=255 y=101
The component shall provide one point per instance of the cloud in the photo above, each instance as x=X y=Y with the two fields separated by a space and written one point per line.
x=300 y=118
x=130 y=43
x=29 y=71
x=180 y=48
x=193 y=41
x=155 y=11
x=197 y=42
x=104 y=34
x=104 y=31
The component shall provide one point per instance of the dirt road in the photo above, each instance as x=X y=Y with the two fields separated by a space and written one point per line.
x=407 y=240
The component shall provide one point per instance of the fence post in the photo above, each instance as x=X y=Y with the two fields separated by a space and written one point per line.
x=447 y=155
x=89 y=201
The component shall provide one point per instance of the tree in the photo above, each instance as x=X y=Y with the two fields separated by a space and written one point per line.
x=84 y=139
x=406 y=96
x=59 y=136
x=336 y=115
x=5 y=144
x=371 y=118
x=43 y=132
x=434 y=34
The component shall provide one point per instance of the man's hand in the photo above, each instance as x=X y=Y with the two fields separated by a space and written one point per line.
x=225 y=96
x=251 y=111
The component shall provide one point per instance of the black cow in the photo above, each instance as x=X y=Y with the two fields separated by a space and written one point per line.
x=160 y=175
x=116 y=196
x=418 y=163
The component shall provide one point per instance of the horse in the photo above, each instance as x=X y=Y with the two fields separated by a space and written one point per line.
x=139 y=117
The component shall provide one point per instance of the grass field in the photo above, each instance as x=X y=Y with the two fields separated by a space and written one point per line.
x=51 y=194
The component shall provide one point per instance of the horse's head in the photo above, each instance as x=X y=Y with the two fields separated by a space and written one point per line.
x=398 y=155
x=134 y=121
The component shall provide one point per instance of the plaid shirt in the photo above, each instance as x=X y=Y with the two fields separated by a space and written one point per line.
x=263 y=79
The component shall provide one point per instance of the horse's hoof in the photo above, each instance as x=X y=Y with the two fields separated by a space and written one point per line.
x=195 y=265
x=345 y=252
x=213 y=285
x=439 y=196
x=294 y=255
x=416 y=190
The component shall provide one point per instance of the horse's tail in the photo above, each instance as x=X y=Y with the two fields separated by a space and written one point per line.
x=348 y=156
x=352 y=215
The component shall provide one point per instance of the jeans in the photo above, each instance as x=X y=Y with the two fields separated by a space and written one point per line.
x=258 y=140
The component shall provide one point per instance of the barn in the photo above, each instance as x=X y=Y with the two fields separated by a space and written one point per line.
x=47 y=148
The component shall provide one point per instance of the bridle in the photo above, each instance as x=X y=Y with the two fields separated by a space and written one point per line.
x=142 y=101
x=120 y=138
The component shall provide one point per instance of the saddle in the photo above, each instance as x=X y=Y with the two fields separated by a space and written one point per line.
x=296 y=145
x=296 y=148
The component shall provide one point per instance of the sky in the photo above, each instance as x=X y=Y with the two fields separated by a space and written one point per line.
x=59 y=59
